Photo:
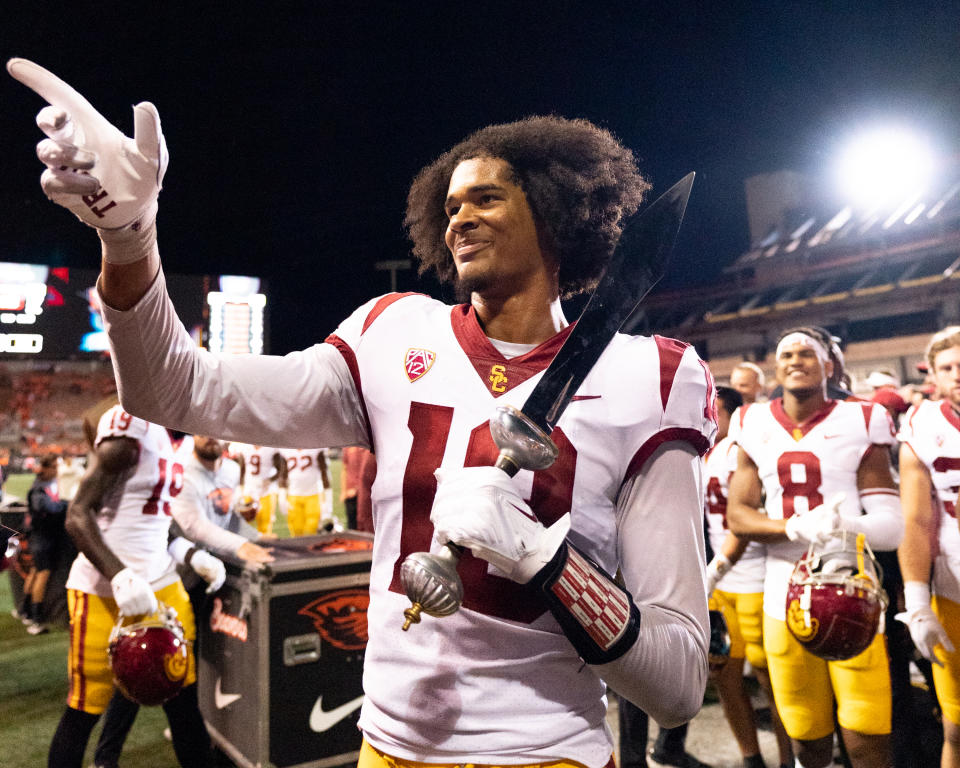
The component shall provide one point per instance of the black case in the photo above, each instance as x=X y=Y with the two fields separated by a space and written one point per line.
x=280 y=657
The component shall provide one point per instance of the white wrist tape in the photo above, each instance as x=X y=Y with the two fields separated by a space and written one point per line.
x=916 y=595
x=132 y=243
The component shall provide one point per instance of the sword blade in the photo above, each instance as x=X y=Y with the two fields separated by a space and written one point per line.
x=639 y=261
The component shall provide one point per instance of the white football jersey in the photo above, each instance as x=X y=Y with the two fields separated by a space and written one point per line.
x=800 y=466
x=746 y=576
x=259 y=469
x=932 y=430
x=498 y=679
x=303 y=471
x=135 y=516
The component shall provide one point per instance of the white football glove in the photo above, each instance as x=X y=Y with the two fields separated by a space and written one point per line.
x=211 y=569
x=133 y=594
x=926 y=631
x=108 y=180
x=480 y=509
x=817 y=525
x=716 y=569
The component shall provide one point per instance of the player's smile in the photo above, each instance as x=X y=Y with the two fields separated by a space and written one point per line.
x=491 y=231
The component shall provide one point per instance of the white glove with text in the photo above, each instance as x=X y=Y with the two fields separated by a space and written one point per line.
x=479 y=508
x=108 y=180
x=211 y=569
x=817 y=525
x=926 y=631
x=133 y=594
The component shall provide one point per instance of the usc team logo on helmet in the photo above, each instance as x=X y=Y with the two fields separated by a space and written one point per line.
x=149 y=658
x=834 y=600
x=418 y=362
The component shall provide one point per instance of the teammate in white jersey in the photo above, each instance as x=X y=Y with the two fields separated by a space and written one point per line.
x=821 y=464
x=309 y=494
x=517 y=215
x=262 y=468
x=929 y=483
x=119 y=521
x=735 y=588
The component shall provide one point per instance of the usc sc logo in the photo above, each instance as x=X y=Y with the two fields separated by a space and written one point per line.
x=498 y=377
x=175 y=665
x=797 y=622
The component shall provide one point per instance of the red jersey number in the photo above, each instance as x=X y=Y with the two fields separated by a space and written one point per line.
x=550 y=499
x=792 y=464
x=158 y=500
x=717 y=500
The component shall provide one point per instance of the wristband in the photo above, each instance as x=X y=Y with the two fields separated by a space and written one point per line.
x=596 y=614
x=133 y=242
x=916 y=595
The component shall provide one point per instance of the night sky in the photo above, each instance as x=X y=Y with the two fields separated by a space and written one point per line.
x=294 y=132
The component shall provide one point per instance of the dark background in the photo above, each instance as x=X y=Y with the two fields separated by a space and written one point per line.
x=294 y=130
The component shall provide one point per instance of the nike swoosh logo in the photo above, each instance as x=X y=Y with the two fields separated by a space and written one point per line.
x=323 y=720
x=584 y=397
x=221 y=699
x=528 y=515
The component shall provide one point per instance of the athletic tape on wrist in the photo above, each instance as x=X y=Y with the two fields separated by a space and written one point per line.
x=133 y=242
x=596 y=614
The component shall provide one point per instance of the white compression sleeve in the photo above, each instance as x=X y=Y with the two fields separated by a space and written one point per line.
x=883 y=522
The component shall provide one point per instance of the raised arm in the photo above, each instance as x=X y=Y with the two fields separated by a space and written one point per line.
x=111 y=182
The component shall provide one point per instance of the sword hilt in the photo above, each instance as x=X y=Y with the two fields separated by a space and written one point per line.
x=431 y=582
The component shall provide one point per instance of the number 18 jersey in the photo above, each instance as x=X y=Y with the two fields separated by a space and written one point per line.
x=802 y=465
x=498 y=680
x=135 y=517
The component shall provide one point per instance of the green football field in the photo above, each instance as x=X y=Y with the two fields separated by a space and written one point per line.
x=33 y=680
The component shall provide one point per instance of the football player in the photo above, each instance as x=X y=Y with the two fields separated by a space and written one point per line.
x=119 y=521
x=929 y=481
x=808 y=468
x=516 y=215
x=309 y=494
x=203 y=510
x=260 y=468
x=735 y=588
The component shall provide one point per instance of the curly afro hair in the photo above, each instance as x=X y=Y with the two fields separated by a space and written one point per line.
x=580 y=183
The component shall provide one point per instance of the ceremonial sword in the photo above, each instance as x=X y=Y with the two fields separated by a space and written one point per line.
x=522 y=435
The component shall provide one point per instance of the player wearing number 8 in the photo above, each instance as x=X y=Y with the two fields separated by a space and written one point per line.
x=808 y=468
x=929 y=482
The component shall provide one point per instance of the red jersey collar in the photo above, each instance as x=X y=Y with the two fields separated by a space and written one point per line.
x=776 y=408
x=499 y=374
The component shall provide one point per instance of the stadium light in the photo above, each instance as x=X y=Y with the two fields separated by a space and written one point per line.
x=884 y=166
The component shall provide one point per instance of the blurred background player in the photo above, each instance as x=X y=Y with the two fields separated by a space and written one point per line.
x=929 y=482
x=120 y=521
x=261 y=470
x=807 y=467
x=748 y=380
x=735 y=588
x=46 y=541
x=203 y=511
x=309 y=494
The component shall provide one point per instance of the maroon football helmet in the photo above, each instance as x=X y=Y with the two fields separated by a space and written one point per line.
x=834 y=599
x=149 y=658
